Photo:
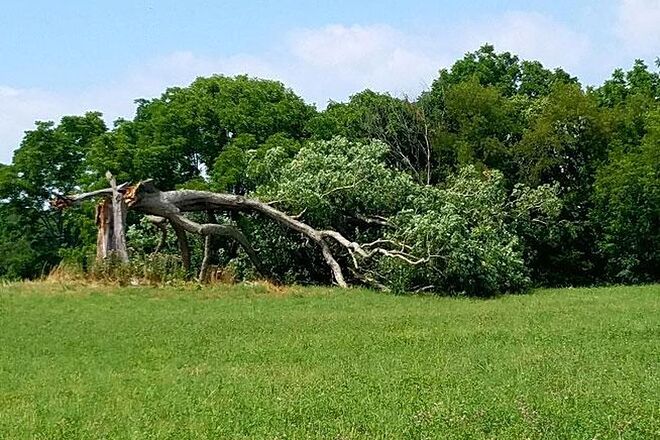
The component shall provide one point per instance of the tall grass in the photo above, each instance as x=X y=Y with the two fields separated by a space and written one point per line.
x=150 y=269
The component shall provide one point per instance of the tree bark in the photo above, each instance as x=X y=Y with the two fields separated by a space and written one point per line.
x=146 y=198
x=203 y=276
x=104 y=225
x=118 y=221
x=184 y=247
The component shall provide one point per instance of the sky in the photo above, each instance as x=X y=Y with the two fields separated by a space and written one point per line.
x=73 y=56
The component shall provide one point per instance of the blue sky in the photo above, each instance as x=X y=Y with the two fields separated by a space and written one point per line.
x=68 y=57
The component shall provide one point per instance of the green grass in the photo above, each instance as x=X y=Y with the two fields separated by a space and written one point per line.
x=246 y=362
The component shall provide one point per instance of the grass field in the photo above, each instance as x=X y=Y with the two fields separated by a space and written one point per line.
x=253 y=362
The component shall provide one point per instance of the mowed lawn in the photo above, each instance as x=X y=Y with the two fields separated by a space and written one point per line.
x=255 y=362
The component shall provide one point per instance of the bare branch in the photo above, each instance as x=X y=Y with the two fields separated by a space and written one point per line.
x=171 y=205
x=161 y=224
x=61 y=202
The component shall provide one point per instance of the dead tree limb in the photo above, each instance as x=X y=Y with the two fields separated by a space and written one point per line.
x=146 y=198
x=118 y=220
x=184 y=246
x=172 y=205
x=103 y=216
x=206 y=260
x=161 y=224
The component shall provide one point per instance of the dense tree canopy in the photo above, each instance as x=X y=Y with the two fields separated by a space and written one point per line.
x=503 y=174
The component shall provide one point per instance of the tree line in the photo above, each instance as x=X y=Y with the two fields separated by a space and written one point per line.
x=502 y=175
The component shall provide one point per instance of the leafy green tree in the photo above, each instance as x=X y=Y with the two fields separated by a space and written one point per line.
x=626 y=99
x=178 y=137
x=244 y=164
x=229 y=170
x=478 y=109
x=400 y=124
x=112 y=151
x=50 y=160
x=479 y=126
x=627 y=208
x=487 y=67
x=564 y=145
x=535 y=81
x=566 y=142
x=337 y=183
x=504 y=71
x=266 y=163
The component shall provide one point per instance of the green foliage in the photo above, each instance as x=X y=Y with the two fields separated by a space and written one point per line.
x=244 y=164
x=50 y=160
x=627 y=199
x=398 y=123
x=176 y=137
x=503 y=71
x=478 y=125
x=467 y=232
x=627 y=98
x=466 y=229
x=331 y=184
x=565 y=143
x=20 y=253
x=229 y=170
x=338 y=179
x=265 y=164
x=142 y=237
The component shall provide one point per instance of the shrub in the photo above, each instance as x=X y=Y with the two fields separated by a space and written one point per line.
x=467 y=233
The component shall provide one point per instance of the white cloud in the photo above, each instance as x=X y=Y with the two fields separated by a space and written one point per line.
x=335 y=61
x=638 y=25
x=19 y=108
x=531 y=36
x=330 y=62
x=339 y=46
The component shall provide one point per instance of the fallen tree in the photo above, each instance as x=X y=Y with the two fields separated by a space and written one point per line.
x=366 y=222
x=170 y=207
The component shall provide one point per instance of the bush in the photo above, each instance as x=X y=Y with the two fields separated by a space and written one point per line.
x=467 y=233
x=627 y=207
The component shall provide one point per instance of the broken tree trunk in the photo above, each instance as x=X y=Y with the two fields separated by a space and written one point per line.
x=172 y=205
x=118 y=220
x=104 y=238
x=111 y=221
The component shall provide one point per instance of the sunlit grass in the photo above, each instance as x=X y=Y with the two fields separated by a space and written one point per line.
x=266 y=362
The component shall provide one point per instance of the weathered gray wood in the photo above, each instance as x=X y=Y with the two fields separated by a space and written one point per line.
x=202 y=277
x=118 y=221
x=184 y=246
x=171 y=205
